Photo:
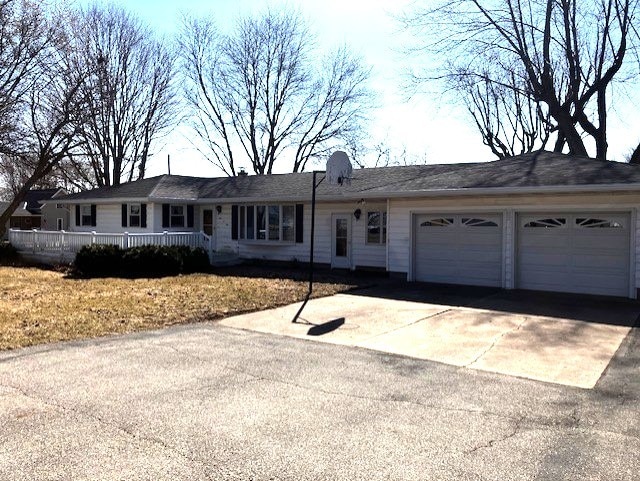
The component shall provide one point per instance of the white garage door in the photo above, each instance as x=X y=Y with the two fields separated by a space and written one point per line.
x=585 y=253
x=459 y=249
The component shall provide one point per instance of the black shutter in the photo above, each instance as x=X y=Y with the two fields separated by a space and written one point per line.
x=93 y=215
x=166 y=220
x=124 y=215
x=77 y=215
x=299 y=223
x=234 y=222
x=143 y=215
x=189 y=216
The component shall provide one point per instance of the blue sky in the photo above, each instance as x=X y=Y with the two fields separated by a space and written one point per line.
x=429 y=127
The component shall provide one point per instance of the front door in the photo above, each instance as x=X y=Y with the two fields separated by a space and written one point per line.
x=341 y=241
x=207 y=221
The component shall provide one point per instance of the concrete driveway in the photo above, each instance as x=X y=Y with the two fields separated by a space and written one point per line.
x=564 y=339
x=206 y=402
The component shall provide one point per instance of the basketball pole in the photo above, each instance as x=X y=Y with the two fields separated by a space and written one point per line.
x=313 y=224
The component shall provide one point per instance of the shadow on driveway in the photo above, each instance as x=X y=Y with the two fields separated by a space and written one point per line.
x=578 y=307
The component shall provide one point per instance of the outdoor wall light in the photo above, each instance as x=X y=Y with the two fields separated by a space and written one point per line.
x=219 y=209
x=357 y=213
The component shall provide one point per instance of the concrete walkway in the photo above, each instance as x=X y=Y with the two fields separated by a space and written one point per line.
x=568 y=340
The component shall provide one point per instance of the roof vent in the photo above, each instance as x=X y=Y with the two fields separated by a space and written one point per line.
x=242 y=172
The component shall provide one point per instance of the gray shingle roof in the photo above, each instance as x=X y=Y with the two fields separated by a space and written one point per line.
x=34 y=198
x=539 y=169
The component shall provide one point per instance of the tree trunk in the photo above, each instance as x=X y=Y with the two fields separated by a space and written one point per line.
x=13 y=205
x=635 y=156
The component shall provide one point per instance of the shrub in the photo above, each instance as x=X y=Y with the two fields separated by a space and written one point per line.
x=99 y=260
x=8 y=253
x=194 y=260
x=148 y=261
x=151 y=261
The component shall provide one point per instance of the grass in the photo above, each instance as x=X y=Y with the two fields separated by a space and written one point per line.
x=40 y=306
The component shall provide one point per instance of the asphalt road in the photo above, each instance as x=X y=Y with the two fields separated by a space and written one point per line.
x=209 y=402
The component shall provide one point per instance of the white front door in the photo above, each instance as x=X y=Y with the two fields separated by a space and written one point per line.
x=341 y=241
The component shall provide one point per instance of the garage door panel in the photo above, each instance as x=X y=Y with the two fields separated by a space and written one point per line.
x=611 y=283
x=546 y=241
x=542 y=258
x=610 y=262
x=589 y=253
x=540 y=280
x=606 y=242
x=468 y=250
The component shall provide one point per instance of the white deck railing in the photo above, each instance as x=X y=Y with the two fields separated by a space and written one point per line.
x=62 y=241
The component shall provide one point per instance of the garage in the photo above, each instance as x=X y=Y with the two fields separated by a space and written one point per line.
x=458 y=249
x=579 y=252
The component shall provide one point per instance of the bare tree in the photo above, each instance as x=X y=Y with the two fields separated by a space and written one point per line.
x=264 y=89
x=24 y=39
x=558 y=57
x=49 y=108
x=509 y=121
x=131 y=92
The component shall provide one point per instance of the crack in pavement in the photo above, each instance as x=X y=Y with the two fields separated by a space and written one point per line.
x=114 y=425
x=492 y=442
x=316 y=389
x=495 y=341
x=369 y=398
x=360 y=342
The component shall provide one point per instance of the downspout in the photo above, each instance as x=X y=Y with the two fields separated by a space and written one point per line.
x=387 y=239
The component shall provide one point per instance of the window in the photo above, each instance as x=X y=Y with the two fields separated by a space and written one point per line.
x=177 y=216
x=440 y=222
x=243 y=223
x=598 y=223
x=274 y=222
x=267 y=222
x=376 y=227
x=288 y=226
x=477 y=222
x=261 y=222
x=547 y=223
x=250 y=225
x=85 y=215
x=134 y=215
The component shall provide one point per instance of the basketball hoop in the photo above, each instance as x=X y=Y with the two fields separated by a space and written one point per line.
x=339 y=169
x=338 y=172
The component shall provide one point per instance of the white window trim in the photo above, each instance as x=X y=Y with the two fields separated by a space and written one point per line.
x=83 y=207
x=382 y=218
x=138 y=215
x=172 y=215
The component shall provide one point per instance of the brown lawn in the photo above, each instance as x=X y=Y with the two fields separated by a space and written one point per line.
x=41 y=306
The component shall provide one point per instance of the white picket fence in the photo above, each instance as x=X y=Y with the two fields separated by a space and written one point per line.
x=62 y=241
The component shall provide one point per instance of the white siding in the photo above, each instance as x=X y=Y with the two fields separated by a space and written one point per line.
x=635 y=246
x=362 y=255
x=399 y=235
x=156 y=224
x=109 y=220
